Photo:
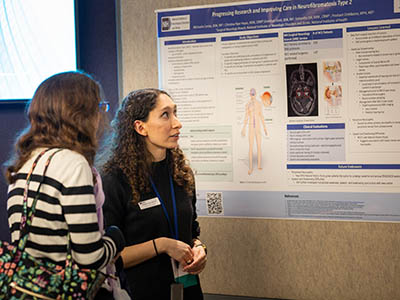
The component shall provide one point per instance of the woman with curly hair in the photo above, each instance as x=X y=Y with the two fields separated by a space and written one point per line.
x=150 y=194
x=64 y=118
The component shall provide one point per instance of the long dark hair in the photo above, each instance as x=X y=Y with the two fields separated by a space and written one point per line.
x=62 y=113
x=128 y=149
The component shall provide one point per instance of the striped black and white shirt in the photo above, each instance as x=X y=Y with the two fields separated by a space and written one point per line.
x=66 y=203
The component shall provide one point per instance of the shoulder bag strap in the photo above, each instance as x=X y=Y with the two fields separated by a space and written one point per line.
x=27 y=216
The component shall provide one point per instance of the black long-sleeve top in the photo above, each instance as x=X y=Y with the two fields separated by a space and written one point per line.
x=152 y=278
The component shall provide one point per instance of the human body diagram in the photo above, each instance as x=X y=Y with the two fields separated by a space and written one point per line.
x=254 y=117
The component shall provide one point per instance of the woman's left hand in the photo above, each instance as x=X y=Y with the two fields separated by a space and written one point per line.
x=199 y=261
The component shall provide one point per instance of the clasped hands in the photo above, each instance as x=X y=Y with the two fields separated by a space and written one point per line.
x=193 y=259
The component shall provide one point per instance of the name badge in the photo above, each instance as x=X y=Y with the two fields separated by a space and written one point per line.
x=149 y=203
x=181 y=276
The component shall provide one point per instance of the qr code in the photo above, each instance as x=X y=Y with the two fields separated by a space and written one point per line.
x=214 y=203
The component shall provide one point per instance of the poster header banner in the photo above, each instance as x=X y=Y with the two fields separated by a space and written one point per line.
x=269 y=15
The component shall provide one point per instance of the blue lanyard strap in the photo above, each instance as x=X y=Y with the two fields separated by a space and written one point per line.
x=174 y=233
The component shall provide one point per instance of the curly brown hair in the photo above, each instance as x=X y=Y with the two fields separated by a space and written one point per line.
x=129 y=152
x=63 y=113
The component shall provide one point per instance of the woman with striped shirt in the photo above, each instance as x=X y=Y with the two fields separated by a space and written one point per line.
x=65 y=113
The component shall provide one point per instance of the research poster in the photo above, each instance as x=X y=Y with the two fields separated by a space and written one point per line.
x=290 y=109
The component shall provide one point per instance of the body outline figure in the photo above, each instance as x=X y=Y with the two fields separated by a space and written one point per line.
x=253 y=117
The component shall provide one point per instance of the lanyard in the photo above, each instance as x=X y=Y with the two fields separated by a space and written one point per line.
x=173 y=232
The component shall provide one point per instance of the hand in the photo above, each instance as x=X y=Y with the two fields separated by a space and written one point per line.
x=265 y=131
x=178 y=250
x=244 y=132
x=199 y=261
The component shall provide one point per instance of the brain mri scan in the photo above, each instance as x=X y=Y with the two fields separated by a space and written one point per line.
x=303 y=95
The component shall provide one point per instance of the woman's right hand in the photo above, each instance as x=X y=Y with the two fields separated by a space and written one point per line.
x=178 y=250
